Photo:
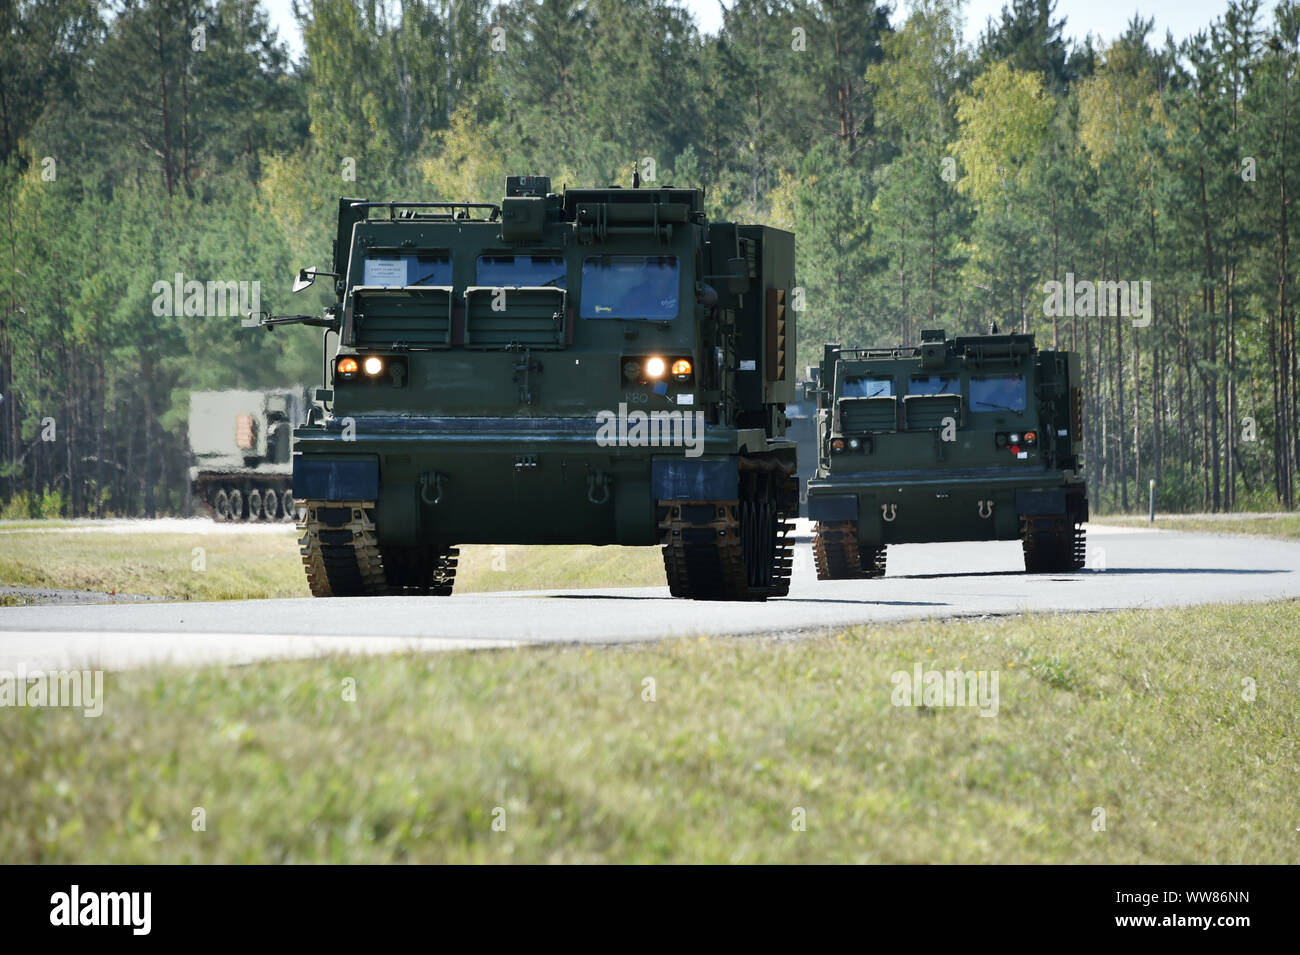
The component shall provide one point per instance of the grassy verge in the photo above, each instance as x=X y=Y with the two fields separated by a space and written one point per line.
x=1286 y=527
x=1138 y=714
x=240 y=567
x=215 y=567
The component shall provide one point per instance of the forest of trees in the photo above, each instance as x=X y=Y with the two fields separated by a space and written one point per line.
x=931 y=184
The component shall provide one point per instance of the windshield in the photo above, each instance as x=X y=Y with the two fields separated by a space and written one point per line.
x=997 y=393
x=513 y=271
x=933 y=385
x=395 y=271
x=630 y=286
x=868 y=388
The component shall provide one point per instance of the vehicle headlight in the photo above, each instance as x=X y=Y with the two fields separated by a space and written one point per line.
x=655 y=367
x=373 y=365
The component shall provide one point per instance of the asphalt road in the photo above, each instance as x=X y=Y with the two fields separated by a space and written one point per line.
x=1126 y=568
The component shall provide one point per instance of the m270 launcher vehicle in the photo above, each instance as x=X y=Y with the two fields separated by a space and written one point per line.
x=598 y=366
x=971 y=438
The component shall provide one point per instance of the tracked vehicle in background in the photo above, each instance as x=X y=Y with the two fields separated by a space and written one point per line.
x=242 y=445
x=971 y=438
x=599 y=366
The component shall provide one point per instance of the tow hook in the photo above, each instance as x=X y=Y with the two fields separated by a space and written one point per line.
x=438 y=482
x=598 y=487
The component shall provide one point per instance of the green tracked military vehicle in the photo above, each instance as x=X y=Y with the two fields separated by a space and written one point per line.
x=600 y=366
x=972 y=438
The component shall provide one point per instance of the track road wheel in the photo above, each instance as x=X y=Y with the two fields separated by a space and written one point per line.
x=254 y=505
x=236 y=504
x=1052 y=543
x=420 y=570
x=444 y=572
x=288 y=507
x=270 y=504
x=839 y=556
x=734 y=550
x=340 y=550
x=342 y=557
x=221 y=506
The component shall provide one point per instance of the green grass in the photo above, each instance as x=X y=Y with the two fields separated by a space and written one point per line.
x=1137 y=713
x=225 y=568
x=241 y=567
x=1286 y=527
x=514 y=567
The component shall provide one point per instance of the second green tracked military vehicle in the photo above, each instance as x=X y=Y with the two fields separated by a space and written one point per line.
x=971 y=438
x=600 y=366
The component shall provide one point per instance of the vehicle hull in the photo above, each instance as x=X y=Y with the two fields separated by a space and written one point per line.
x=439 y=481
x=913 y=507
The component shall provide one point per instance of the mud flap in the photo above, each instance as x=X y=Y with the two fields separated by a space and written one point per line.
x=832 y=510
x=348 y=479
x=698 y=479
x=1046 y=500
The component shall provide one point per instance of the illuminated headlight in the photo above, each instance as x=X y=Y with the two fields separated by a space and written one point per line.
x=655 y=367
x=373 y=365
x=1014 y=439
x=854 y=444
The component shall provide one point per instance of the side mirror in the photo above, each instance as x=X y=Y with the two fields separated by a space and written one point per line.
x=305 y=278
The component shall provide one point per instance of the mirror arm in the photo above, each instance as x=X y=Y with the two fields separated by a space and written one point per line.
x=268 y=321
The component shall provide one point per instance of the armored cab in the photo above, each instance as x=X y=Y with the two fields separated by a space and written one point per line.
x=242 y=445
x=971 y=438
x=598 y=366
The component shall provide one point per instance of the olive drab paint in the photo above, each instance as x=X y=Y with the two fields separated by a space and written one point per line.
x=482 y=350
x=971 y=438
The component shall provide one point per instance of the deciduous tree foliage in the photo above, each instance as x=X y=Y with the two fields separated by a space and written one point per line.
x=931 y=185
